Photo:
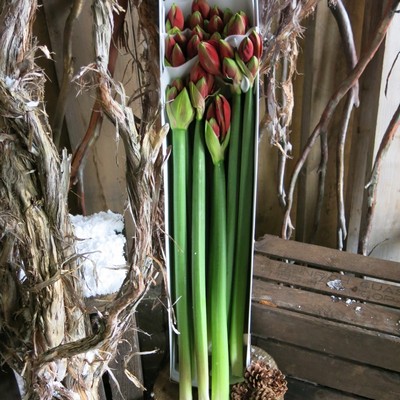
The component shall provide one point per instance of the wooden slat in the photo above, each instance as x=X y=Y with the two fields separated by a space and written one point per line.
x=300 y=390
x=368 y=316
x=329 y=337
x=127 y=390
x=331 y=259
x=317 y=280
x=361 y=380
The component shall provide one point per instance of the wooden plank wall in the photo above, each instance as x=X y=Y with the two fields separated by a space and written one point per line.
x=321 y=68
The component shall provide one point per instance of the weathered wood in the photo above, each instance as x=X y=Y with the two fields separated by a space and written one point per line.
x=318 y=280
x=331 y=259
x=361 y=380
x=327 y=337
x=127 y=353
x=374 y=317
x=300 y=390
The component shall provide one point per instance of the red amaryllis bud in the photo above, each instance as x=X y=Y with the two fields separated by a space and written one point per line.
x=169 y=45
x=177 y=56
x=216 y=36
x=198 y=72
x=246 y=49
x=202 y=6
x=208 y=57
x=215 y=24
x=223 y=114
x=175 y=18
x=256 y=39
x=236 y=25
x=215 y=10
x=200 y=32
x=177 y=84
x=225 y=49
x=202 y=86
x=195 y=19
x=193 y=44
x=231 y=70
x=245 y=18
x=181 y=39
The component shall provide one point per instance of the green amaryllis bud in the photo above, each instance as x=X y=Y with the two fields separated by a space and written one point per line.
x=202 y=6
x=232 y=72
x=208 y=57
x=177 y=56
x=225 y=49
x=215 y=24
x=246 y=49
x=215 y=147
x=179 y=110
x=195 y=19
x=236 y=25
x=256 y=39
x=249 y=74
x=198 y=94
x=253 y=66
x=175 y=18
x=192 y=46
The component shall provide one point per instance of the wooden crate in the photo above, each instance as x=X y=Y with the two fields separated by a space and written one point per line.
x=316 y=311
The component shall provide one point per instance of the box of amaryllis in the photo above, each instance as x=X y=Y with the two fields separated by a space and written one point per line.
x=210 y=53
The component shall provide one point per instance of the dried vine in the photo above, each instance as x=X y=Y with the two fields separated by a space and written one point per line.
x=45 y=333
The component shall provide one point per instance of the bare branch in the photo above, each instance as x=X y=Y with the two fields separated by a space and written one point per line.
x=373 y=182
x=327 y=114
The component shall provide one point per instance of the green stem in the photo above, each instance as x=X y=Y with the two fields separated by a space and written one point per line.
x=180 y=261
x=219 y=324
x=199 y=261
x=232 y=188
x=244 y=237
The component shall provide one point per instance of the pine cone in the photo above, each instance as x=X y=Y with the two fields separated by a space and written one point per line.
x=277 y=382
x=260 y=375
x=263 y=393
x=256 y=374
x=240 y=391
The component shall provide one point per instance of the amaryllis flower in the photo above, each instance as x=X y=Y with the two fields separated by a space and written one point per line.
x=220 y=111
x=192 y=46
x=200 y=32
x=209 y=59
x=256 y=39
x=237 y=25
x=198 y=72
x=215 y=24
x=217 y=133
x=225 y=50
x=175 y=18
x=231 y=71
x=246 y=49
x=177 y=56
x=215 y=10
x=195 y=19
x=202 y=6
x=178 y=106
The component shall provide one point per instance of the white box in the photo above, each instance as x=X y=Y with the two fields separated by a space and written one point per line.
x=250 y=7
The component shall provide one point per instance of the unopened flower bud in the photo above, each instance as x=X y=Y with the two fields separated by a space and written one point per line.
x=200 y=32
x=192 y=46
x=175 y=18
x=225 y=49
x=177 y=56
x=202 y=6
x=236 y=25
x=231 y=70
x=215 y=10
x=208 y=57
x=195 y=19
x=256 y=39
x=246 y=49
x=215 y=24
